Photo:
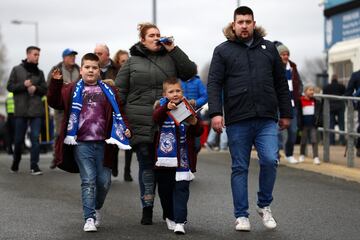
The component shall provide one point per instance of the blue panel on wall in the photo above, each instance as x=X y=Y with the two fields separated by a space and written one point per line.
x=341 y=27
x=334 y=3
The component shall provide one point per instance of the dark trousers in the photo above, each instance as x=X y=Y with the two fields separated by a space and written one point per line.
x=21 y=124
x=306 y=133
x=173 y=195
x=337 y=116
x=10 y=132
x=128 y=156
x=358 y=131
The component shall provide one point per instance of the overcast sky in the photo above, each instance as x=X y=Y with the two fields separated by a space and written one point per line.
x=195 y=24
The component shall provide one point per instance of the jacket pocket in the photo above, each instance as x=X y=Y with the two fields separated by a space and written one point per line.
x=270 y=98
x=237 y=102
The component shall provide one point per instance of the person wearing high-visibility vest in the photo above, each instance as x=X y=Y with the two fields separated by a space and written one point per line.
x=10 y=122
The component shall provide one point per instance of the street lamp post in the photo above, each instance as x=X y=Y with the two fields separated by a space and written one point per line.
x=154 y=12
x=36 y=25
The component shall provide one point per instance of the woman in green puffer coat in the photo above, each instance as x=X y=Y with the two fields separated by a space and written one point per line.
x=140 y=83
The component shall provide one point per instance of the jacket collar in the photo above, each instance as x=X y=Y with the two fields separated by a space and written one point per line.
x=259 y=34
x=138 y=49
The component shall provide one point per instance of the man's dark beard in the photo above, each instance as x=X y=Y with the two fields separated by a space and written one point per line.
x=245 y=39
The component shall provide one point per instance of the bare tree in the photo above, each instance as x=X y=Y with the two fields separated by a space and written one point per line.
x=2 y=66
x=314 y=71
x=204 y=73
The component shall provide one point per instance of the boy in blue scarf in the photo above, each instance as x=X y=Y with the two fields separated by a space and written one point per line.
x=93 y=125
x=175 y=156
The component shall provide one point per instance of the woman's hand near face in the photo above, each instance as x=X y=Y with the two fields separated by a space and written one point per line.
x=169 y=46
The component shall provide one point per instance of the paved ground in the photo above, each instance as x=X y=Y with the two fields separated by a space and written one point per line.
x=336 y=167
x=307 y=205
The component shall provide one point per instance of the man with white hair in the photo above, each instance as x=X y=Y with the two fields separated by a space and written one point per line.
x=108 y=68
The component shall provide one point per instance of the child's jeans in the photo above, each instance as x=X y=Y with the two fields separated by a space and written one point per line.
x=95 y=178
x=173 y=195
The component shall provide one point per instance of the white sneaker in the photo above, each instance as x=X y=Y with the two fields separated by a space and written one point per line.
x=170 y=224
x=98 y=218
x=242 y=224
x=90 y=225
x=316 y=161
x=291 y=160
x=301 y=158
x=268 y=220
x=179 y=228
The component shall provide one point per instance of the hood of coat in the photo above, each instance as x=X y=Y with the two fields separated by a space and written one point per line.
x=138 y=49
x=230 y=34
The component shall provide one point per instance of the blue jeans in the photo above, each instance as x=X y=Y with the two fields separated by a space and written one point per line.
x=261 y=132
x=223 y=144
x=21 y=125
x=95 y=178
x=291 y=136
x=145 y=153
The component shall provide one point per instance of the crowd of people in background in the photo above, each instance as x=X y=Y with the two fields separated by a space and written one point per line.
x=254 y=95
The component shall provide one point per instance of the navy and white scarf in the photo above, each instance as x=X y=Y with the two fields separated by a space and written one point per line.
x=288 y=74
x=118 y=126
x=168 y=147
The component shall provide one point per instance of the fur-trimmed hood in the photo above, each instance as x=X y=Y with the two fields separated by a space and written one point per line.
x=230 y=34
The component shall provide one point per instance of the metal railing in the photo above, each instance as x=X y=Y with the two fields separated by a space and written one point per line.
x=350 y=133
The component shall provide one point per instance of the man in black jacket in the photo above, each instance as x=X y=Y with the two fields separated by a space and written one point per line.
x=27 y=82
x=337 y=108
x=354 y=86
x=248 y=71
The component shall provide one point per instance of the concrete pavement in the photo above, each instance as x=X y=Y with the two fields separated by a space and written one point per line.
x=306 y=205
x=336 y=167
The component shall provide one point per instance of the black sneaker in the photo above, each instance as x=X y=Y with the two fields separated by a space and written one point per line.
x=52 y=164
x=36 y=171
x=114 y=172
x=14 y=168
x=128 y=177
x=147 y=216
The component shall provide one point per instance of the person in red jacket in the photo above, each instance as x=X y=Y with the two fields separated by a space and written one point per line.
x=93 y=123
x=175 y=156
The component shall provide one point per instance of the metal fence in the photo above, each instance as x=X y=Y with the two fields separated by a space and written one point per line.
x=350 y=133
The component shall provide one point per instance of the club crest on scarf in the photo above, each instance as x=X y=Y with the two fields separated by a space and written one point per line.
x=167 y=141
x=72 y=121
x=119 y=131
